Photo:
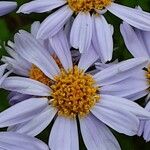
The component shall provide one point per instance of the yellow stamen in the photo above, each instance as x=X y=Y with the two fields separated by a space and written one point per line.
x=88 y=5
x=74 y=93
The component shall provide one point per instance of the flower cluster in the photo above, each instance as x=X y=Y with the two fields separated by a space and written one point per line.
x=62 y=73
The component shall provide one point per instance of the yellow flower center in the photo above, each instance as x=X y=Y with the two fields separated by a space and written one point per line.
x=88 y=5
x=74 y=92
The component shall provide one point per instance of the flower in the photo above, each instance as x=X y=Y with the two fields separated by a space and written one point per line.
x=66 y=92
x=137 y=42
x=6 y=7
x=89 y=24
x=14 y=141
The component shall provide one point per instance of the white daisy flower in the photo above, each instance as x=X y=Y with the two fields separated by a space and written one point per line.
x=6 y=7
x=89 y=24
x=67 y=92
x=137 y=42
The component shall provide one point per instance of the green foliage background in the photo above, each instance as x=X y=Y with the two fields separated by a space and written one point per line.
x=11 y=23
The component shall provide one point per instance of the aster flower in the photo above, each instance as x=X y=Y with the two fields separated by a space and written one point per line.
x=137 y=42
x=89 y=24
x=66 y=92
x=6 y=7
x=16 y=141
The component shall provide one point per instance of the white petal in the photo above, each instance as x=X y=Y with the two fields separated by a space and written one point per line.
x=132 y=41
x=137 y=95
x=35 y=27
x=16 y=66
x=15 y=141
x=100 y=66
x=126 y=88
x=61 y=47
x=120 y=120
x=22 y=111
x=15 y=97
x=64 y=132
x=146 y=133
x=96 y=135
x=38 y=7
x=2 y=69
x=81 y=32
x=19 y=59
x=2 y=79
x=120 y=71
x=26 y=86
x=88 y=58
x=145 y=36
x=37 y=124
x=67 y=28
x=53 y=23
x=141 y=127
x=102 y=38
x=134 y=17
x=6 y=7
x=123 y=104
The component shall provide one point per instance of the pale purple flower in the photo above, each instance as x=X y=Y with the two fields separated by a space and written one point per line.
x=137 y=42
x=87 y=27
x=16 y=141
x=7 y=6
x=33 y=115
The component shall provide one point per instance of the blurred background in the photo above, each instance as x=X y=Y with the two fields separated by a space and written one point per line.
x=11 y=23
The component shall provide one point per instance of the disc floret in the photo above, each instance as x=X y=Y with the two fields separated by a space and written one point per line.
x=88 y=5
x=74 y=93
